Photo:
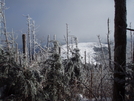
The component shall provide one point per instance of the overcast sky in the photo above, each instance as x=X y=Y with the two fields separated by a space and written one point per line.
x=86 y=18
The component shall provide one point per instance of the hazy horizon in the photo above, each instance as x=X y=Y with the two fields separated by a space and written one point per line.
x=86 y=18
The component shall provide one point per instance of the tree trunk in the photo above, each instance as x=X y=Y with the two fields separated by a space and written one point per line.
x=24 y=45
x=120 y=50
x=109 y=47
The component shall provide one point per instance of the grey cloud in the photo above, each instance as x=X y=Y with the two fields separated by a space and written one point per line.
x=86 y=18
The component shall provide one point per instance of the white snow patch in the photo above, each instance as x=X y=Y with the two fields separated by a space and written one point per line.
x=88 y=47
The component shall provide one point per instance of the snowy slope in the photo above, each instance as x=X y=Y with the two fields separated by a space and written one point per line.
x=92 y=50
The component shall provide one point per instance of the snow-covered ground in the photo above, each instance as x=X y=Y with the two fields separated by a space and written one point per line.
x=89 y=47
x=81 y=98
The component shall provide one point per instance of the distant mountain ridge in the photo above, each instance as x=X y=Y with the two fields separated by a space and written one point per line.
x=93 y=51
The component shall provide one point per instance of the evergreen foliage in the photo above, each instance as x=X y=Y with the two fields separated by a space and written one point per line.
x=49 y=83
x=40 y=74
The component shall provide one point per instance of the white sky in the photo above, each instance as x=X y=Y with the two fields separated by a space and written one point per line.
x=86 y=18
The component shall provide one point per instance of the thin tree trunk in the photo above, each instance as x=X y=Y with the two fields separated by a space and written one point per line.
x=3 y=24
x=17 y=54
x=85 y=56
x=108 y=41
x=67 y=41
x=29 y=36
x=33 y=40
x=48 y=41
x=103 y=55
x=120 y=50
x=133 y=48
x=24 y=45
x=131 y=42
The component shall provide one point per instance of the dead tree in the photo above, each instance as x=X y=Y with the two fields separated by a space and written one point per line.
x=67 y=41
x=17 y=53
x=85 y=57
x=3 y=23
x=108 y=41
x=24 y=45
x=29 y=37
x=76 y=41
x=131 y=44
x=48 y=41
x=119 y=50
x=103 y=55
x=33 y=40
x=54 y=37
x=132 y=48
